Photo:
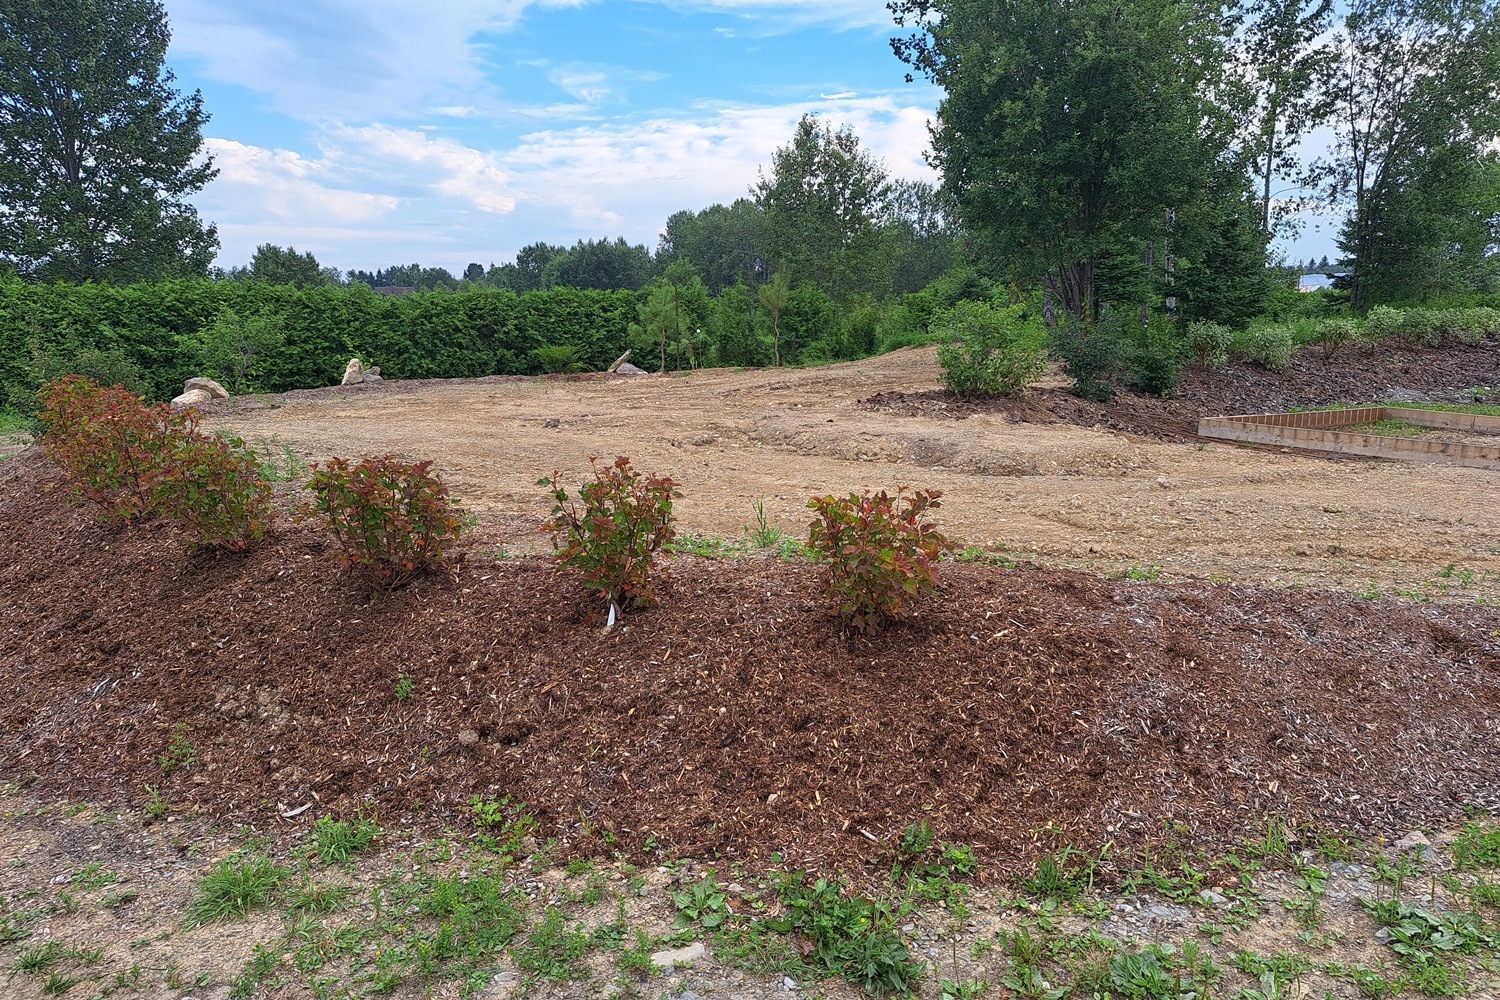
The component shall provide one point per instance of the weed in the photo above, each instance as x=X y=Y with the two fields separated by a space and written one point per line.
x=318 y=897
x=703 y=903
x=764 y=534
x=94 y=876
x=552 y=951
x=234 y=887
x=1062 y=876
x=336 y=840
x=404 y=687
x=179 y=753
x=156 y=803
x=1476 y=845
x=39 y=957
x=502 y=825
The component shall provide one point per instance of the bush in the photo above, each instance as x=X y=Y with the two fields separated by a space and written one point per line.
x=1421 y=327
x=214 y=487
x=555 y=359
x=393 y=520
x=1383 y=323
x=613 y=541
x=1474 y=325
x=235 y=349
x=1153 y=359
x=880 y=553
x=1333 y=334
x=986 y=350
x=1209 y=342
x=111 y=446
x=1272 y=347
x=1091 y=356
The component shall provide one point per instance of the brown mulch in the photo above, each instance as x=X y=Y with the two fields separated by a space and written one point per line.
x=1449 y=374
x=733 y=717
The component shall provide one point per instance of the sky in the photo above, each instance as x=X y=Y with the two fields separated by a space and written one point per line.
x=385 y=132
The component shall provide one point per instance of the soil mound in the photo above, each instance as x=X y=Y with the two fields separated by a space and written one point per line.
x=733 y=717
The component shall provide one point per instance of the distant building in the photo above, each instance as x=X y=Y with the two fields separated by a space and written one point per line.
x=396 y=290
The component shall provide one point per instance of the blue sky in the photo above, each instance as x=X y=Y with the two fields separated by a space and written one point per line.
x=384 y=132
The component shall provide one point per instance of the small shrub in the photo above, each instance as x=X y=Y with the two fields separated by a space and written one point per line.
x=555 y=359
x=1475 y=325
x=879 y=550
x=1272 y=347
x=1091 y=356
x=112 y=447
x=1421 y=328
x=392 y=519
x=1153 y=359
x=1383 y=323
x=215 y=488
x=1209 y=342
x=625 y=519
x=1333 y=334
x=985 y=350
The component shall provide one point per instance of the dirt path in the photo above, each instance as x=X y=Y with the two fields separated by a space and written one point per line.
x=1060 y=493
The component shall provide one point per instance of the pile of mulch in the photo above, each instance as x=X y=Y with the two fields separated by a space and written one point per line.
x=733 y=717
x=1450 y=374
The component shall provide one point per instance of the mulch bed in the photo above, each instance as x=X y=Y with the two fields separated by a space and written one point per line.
x=1449 y=374
x=733 y=717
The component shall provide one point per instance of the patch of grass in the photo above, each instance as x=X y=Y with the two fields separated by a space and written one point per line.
x=234 y=887
x=318 y=897
x=764 y=534
x=335 y=841
x=1479 y=409
x=39 y=957
x=1476 y=844
x=94 y=876
x=179 y=753
x=552 y=951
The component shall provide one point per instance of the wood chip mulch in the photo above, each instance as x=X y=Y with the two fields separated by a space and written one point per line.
x=1021 y=709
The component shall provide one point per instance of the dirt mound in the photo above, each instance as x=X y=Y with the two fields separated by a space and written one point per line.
x=733 y=717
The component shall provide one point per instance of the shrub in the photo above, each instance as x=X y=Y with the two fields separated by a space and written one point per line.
x=393 y=520
x=1272 y=347
x=214 y=487
x=112 y=447
x=1383 y=323
x=1421 y=327
x=985 y=350
x=1090 y=353
x=555 y=359
x=880 y=553
x=1474 y=325
x=1334 y=334
x=1153 y=359
x=625 y=520
x=1209 y=342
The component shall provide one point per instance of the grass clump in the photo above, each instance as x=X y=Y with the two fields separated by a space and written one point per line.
x=234 y=888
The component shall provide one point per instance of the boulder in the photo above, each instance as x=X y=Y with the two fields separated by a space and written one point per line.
x=372 y=373
x=193 y=397
x=208 y=385
x=629 y=369
x=354 y=372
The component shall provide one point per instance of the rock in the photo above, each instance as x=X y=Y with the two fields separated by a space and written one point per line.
x=468 y=737
x=503 y=986
x=619 y=361
x=208 y=385
x=672 y=957
x=193 y=397
x=354 y=372
x=629 y=369
x=1412 y=841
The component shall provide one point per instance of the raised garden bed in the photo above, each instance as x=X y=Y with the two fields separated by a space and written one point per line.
x=1357 y=431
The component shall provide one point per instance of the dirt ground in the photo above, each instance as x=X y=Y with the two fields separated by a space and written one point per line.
x=1131 y=492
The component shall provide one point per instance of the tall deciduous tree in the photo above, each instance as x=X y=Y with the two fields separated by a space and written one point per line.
x=1417 y=89
x=1069 y=130
x=98 y=152
x=825 y=201
x=285 y=266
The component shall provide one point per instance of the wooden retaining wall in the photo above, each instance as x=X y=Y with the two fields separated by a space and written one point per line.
x=1317 y=429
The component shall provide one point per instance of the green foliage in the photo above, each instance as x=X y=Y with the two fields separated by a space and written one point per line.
x=1153 y=357
x=335 y=841
x=1209 y=342
x=881 y=554
x=392 y=519
x=234 y=349
x=502 y=825
x=214 y=487
x=234 y=887
x=98 y=153
x=1272 y=347
x=558 y=358
x=1477 y=844
x=852 y=936
x=1091 y=354
x=1383 y=323
x=703 y=904
x=1333 y=334
x=626 y=518
x=112 y=447
x=180 y=752
x=988 y=350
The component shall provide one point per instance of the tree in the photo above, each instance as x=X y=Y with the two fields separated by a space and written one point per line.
x=98 y=152
x=1069 y=132
x=285 y=266
x=920 y=233
x=773 y=297
x=1417 y=90
x=727 y=244
x=603 y=264
x=232 y=348
x=1287 y=62
x=825 y=201
x=474 y=274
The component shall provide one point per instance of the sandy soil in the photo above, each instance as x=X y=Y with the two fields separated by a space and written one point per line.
x=1062 y=494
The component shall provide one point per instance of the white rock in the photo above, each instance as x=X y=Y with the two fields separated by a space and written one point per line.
x=208 y=385
x=354 y=372
x=673 y=957
x=192 y=397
